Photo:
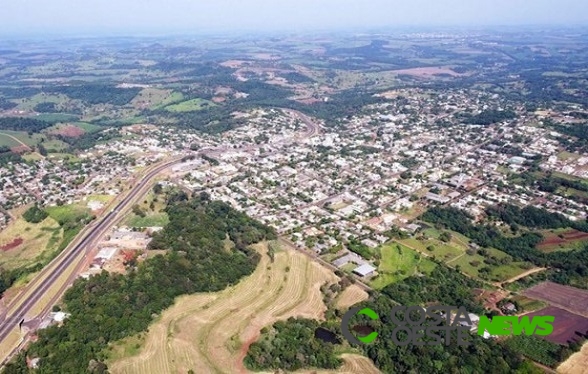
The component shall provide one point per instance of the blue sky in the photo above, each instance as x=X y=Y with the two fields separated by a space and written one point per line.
x=160 y=16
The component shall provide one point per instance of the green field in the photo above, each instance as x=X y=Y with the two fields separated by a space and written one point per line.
x=190 y=106
x=150 y=220
x=442 y=251
x=24 y=137
x=396 y=265
x=68 y=213
x=471 y=265
x=88 y=127
x=172 y=98
x=7 y=141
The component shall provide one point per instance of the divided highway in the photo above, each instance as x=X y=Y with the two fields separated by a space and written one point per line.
x=26 y=302
x=68 y=257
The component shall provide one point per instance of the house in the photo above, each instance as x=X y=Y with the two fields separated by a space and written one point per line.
x=364 y=270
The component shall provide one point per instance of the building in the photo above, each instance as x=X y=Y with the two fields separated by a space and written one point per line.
x=364 y=270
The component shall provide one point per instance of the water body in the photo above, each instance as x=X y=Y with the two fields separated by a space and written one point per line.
x=326 y=336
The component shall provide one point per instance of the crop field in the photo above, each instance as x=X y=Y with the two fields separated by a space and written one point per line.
x=565 y=325
x=528 y=304
x=211 y=332
x=190 y=105
x=351 y=296
x=576 y=363
x=559 y=240
x=23 y=242
x=570 y=298
x=399 y=262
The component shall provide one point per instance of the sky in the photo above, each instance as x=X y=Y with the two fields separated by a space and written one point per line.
x=161 y=16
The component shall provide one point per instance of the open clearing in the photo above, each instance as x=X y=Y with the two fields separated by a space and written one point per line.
x=32 y=239
x=190 y=105
x=210 y=333
x=399 y=262
x=576 y=363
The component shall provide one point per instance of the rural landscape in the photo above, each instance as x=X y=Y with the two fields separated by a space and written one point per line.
x=218 y=203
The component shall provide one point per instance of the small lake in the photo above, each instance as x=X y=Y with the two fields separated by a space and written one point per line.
x=326 y=336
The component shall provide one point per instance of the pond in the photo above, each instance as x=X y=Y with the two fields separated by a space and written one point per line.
x=326 y=336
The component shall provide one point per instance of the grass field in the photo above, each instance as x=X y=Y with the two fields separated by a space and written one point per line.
x=68 y=213
x=396 y=265
x=171 y=98
x=190 y=105
x=210 y=333
x=24 y=137
x=38 y=239
x=88 y=127
x=7 y=141
x=154 y=217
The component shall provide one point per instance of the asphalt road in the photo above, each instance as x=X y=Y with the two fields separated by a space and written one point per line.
x=65 y=261
x=96 y=230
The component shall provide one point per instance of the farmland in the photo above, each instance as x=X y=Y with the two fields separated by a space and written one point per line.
x=573 y=299
x=565 y=326
x=211 y=332
x=562 y=240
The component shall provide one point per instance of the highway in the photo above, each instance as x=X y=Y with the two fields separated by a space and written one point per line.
x=53 y=271
x=67 y=257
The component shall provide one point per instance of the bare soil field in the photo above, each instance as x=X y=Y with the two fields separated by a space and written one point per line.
x=553 y=241
x=428 y=72
x=210 y=333
x=576 y=363
x=13 y=244
x=569 y=298
x=565 y=325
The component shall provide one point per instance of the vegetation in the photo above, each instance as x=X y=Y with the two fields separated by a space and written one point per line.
x=109 y=307
x=571 y=265
x=97 y=93
x=540 y=350
x=22 y=124
x=35 y=214
x=445 y=286
x=281 y=348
